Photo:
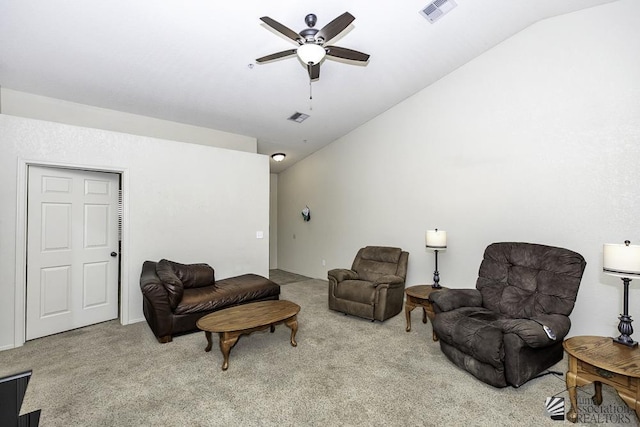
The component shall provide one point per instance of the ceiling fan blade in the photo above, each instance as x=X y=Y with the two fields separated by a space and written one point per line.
x=314 y=71
x=285 y=31
x=277 y=55
x=344 y=53
x=335 y=27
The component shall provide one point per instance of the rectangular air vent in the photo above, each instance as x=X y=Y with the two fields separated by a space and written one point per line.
x=437 y=9
x=298 y=117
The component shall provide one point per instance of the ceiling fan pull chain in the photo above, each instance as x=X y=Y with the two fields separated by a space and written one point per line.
x=310 y=97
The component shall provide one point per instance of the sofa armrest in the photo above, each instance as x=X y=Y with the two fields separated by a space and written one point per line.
x=450 y=299
x=156 y=307
x=156 y=294
x=531 y=331
x=150 y=284
x=342 y=274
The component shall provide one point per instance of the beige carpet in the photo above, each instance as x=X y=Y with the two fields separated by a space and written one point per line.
x=345 y=371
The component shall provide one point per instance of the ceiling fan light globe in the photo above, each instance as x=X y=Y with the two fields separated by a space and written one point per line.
x=311 y=53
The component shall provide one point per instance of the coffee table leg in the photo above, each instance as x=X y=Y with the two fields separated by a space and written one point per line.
x=227 y=341
x=292 y=323
x=209 y=342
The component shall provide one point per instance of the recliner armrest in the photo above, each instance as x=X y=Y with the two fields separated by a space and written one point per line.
x=532 y=332
x=389 y=279
x=341 y=274
x=450 y=299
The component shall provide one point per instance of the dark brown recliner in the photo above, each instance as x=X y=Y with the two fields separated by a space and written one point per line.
x=374 y=287
x=496 y=331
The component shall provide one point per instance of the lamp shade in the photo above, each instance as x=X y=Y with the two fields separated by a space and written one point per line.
x=436 y=239
x=311 y=53
x=621 y=260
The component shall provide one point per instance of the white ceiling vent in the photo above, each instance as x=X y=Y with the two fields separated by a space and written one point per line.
x=437 y=9
x=298 y=117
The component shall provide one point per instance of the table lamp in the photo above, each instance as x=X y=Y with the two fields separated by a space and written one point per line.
x=436 y=240
x=623 y=260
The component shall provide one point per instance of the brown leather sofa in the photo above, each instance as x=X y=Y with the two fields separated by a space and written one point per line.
x=374 y=286
x=176 y=295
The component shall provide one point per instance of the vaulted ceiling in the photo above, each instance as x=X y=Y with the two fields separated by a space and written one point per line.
x=194 y=61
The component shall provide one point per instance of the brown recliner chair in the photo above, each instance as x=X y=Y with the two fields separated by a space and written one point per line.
x=374 y=286
x=497 y=331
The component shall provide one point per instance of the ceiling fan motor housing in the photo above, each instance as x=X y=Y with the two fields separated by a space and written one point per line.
x=309 y=34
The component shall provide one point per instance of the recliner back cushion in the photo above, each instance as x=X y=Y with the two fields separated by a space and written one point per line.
x=526 y=280
x=194 y=275
x=372 y=262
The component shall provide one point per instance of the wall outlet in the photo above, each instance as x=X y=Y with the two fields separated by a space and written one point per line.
x=259 y=235
x=324 y=263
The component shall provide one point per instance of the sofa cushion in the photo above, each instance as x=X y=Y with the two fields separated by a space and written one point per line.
x=194 y=275
x=171 y=282
x=228 y=292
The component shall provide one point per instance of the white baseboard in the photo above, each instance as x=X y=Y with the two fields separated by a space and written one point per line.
x=7 y=347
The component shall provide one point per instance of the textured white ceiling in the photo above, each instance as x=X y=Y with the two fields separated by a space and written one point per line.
x=193 y=61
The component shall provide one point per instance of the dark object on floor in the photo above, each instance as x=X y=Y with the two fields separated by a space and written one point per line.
x=176 y=295
x=497 y=331
x=12 y=390
x=374 y=287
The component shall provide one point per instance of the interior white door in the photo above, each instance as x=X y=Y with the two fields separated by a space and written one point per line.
x=72 y=249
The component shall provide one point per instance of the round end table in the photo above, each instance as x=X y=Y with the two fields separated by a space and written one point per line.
x=418 y=296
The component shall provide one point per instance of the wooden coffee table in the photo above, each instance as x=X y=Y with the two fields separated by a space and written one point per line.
x=233 y=322
x=418 y=296
x=599 y=360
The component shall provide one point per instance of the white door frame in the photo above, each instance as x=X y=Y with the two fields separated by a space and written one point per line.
x=21 y=241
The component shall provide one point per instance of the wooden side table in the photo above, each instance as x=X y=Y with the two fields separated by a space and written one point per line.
x=418 y=296
x=599 y=360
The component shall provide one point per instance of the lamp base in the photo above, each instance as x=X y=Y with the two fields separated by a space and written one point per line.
x=625 y=341
x=624 y=327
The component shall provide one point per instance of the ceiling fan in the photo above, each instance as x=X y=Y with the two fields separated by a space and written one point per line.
x=312 y=49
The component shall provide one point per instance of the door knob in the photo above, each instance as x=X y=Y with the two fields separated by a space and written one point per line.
x=114 y=254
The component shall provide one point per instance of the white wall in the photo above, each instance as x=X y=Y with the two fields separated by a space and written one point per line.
x=16 y=103
x=185 y=202
x=273 y=221
x=536 y=140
